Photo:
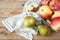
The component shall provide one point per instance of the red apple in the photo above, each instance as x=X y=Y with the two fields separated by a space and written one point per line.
x=45 y=12
x=45 y=2
x=55 y=23
x=55 y=4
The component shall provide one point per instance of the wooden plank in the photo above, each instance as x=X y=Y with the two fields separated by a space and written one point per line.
x=1 y=24
x=11 y=0
x=53 y=36
x=9 y=11
x=11 y=5
x=6 y=35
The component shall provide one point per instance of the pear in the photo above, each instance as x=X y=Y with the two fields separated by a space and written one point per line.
x=44 y=30
x=29 y=21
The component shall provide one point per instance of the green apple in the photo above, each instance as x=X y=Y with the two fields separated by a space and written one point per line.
x=29 y=21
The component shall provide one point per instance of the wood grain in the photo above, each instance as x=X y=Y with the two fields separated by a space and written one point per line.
x=5 y=34
x=12 y=0
x=8 y=11
x=53 y=36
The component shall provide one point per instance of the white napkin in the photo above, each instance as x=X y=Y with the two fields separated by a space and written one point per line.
x=15 y=23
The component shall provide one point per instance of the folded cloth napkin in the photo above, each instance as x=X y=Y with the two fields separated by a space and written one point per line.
x=15 y=23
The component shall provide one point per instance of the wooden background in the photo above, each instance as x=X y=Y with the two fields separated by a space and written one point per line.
x=10 y=8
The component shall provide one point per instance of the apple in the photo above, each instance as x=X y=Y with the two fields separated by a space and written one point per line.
x=45 y=12
x=55 y=23
x=44 y=30
x=55 y=5
x=32 y=7
x=29 y=21
x=56 y=14
x=45 y=2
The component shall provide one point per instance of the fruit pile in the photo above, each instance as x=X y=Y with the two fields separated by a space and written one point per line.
x=49 y=10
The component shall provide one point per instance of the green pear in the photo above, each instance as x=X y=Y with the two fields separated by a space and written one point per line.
x=29 y=21
x=44 y=30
